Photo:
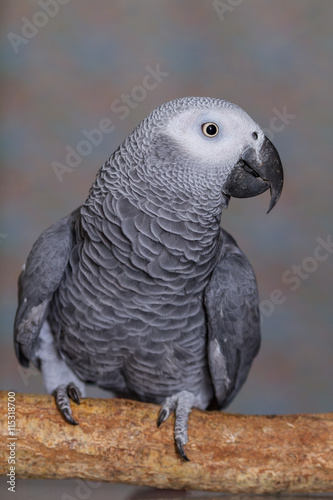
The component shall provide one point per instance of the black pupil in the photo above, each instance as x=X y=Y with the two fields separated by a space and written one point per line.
x=211 y=129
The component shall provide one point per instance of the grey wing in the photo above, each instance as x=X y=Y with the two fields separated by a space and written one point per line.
x=39 y=278
x=232 y=307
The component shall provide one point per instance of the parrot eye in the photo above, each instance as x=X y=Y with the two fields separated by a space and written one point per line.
x=210 y=129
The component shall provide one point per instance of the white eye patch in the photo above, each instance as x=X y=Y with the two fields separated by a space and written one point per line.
x=213 y=136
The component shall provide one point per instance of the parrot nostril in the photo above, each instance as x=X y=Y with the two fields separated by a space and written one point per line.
x=255 y=135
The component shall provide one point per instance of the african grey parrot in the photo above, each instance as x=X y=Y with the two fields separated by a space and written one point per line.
x=139 y=290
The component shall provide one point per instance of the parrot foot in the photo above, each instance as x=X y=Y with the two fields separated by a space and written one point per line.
x=181 y=403
x=62 y=394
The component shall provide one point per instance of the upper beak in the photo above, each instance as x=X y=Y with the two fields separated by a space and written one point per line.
x=255 y=172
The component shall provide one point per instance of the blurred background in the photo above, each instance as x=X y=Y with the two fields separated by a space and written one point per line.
x=68 y=66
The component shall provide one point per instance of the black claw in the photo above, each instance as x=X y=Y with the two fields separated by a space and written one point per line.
x=180 y=450
x=162 y=417
x=62 y=395
x=67 y=416
x=74 y=393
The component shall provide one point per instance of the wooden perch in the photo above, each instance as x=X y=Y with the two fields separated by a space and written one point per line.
x=118 y=441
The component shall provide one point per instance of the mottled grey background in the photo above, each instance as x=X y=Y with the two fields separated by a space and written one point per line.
x=272 y=58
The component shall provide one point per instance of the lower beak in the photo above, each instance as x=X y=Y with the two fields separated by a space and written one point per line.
x=255 y=172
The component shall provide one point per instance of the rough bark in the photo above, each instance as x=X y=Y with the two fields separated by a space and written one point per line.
x=118 y=441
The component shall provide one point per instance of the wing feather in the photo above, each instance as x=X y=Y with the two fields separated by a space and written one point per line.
x=232 y=306
x=39 y=278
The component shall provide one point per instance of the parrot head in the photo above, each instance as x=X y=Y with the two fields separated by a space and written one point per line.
x=219 y=145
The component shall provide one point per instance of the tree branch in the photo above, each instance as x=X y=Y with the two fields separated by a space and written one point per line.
x=118 y=441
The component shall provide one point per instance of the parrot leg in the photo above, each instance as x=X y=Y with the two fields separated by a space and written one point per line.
x=58 y=378
x=181 y=403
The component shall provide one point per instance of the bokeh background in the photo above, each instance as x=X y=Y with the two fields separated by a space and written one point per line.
x=65 y=70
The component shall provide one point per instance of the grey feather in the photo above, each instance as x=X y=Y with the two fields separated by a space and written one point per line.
x=232 y=304
x=38 y=280
x=140 y=290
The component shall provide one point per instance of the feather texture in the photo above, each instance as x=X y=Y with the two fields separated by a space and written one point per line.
x=143 y=293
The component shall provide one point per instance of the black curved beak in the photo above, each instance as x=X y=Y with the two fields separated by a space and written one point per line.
x=254 y=173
